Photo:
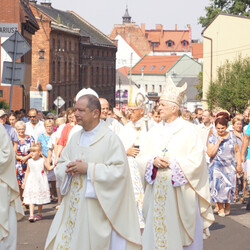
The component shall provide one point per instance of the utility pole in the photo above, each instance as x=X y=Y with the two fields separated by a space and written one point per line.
x=130 y=72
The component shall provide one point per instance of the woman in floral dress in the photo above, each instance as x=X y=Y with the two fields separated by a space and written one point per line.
x=22 y=153
x=224 y=164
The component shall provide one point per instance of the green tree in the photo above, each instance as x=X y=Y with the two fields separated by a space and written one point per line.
x=236 y=7
x=212 y=96
x=231 y=89
x=199 y=86
x=4 y=105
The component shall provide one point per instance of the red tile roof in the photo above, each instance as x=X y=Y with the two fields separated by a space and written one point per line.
x=124 y=70
x=155 y=65
x=163 y=36
x=197 y=50
x=133 y=35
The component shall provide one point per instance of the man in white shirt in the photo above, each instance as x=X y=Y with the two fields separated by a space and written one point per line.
x=198 y=119
x=34 y=127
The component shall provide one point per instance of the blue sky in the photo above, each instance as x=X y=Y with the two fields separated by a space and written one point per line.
x=103 y=14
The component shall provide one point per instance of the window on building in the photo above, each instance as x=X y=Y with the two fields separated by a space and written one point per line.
x=65 y=45
x=92 y=76
x=154 y=44
x=53 y=71
x=97 y=76
x=162 y=67
x=70 y=46
x=85 y=76
x=160 y=88
x=58 y=44
x=184 y=43
x=58 y=72
x=65 y=72
x=65 y=92
x=146 y=88
x=53 y=43
x=152 y=68
x=153 y=88
x=143 y=67
x=107 y=76
x=103 y=80
x=70 y=65
x=70 y=94
x=76 y=73
x=170 y=43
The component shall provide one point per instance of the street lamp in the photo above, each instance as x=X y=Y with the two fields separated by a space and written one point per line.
x=49 y=87
x=41 y=53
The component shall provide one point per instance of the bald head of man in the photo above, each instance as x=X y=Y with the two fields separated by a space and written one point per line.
x=104 y=108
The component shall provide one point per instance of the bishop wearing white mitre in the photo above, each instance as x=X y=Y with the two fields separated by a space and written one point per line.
x=176 y=206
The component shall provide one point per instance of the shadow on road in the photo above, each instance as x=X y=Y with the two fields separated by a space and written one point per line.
x=216 y=226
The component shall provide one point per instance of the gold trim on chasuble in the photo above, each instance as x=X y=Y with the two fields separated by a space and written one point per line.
x=160 y=210
x=74 y=198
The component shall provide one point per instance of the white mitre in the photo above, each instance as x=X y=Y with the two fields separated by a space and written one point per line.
x=87 y=91
x=172 y=93
x=136 y=96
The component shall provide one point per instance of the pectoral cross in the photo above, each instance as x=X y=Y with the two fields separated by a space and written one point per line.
x=164 y=152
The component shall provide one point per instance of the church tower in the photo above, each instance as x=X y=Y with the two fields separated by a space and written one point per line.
x=126 y=18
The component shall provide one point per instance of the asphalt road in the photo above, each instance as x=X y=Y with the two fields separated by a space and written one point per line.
x=228 y=233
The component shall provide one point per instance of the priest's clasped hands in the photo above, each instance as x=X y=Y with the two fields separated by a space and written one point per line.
x=77 y=167
x=161 y=162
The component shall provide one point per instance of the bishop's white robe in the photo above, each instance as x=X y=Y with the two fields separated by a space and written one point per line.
x=132 y=133
x=171 y=212
x=88 y=223
x=10 y=205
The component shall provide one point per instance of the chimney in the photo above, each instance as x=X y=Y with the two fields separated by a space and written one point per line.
x=143 y=28
x=190 y=33
x=47 y=4
x=159 y=27
x=175 y=26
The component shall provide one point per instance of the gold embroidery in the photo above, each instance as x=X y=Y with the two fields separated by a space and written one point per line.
x=160 y=211
x=74 y=198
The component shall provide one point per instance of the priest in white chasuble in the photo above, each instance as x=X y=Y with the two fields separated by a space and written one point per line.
x=176 y=204
x=98 y=210
x=131 y=135
x=10 y=204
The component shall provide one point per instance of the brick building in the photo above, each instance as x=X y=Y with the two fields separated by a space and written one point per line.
x=158 y=41
x=18 y=11
x=72 y=54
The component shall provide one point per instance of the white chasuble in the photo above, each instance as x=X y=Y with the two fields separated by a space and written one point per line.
x=133 y=134
x=10 y=206
x=171 y=212
x=88 y=223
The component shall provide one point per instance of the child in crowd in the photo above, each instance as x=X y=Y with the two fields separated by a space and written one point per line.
x=35 y=185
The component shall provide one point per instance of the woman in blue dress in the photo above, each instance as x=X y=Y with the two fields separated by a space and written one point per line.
x=224 y=164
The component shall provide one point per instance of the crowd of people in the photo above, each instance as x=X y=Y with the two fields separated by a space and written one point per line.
x=162 y=169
